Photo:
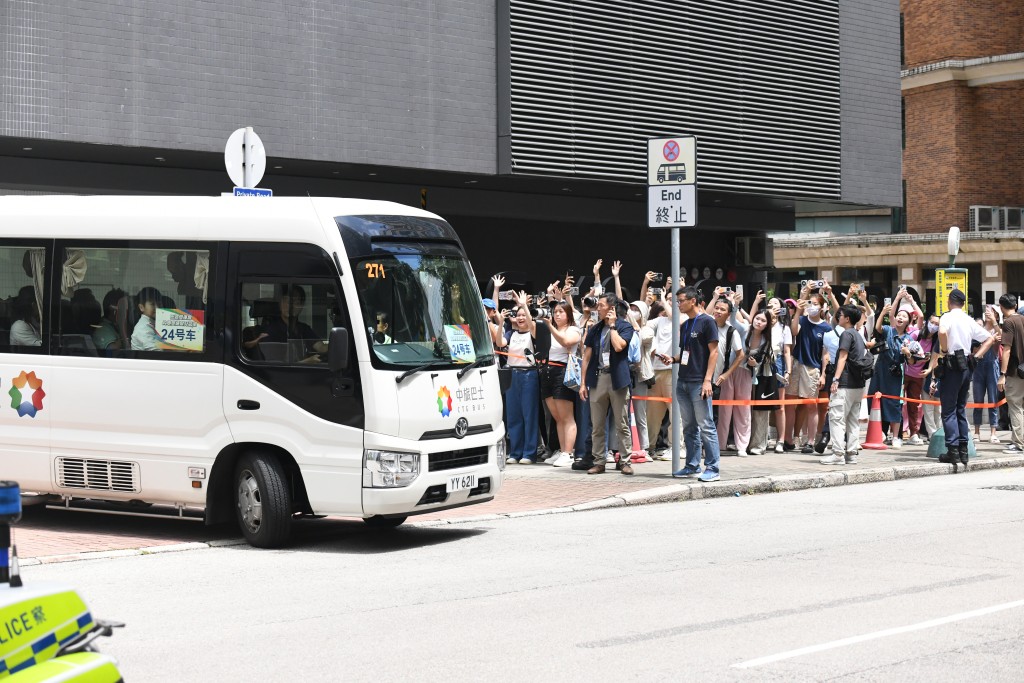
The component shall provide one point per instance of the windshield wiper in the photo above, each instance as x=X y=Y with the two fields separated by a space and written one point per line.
x=425 y=366
x=477 y=363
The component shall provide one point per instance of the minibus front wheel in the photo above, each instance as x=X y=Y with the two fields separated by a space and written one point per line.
x=262 y=499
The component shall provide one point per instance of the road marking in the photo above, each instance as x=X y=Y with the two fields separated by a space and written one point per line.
x=878 y=634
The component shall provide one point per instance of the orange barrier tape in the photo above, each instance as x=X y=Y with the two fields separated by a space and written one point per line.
x=811 y=401
x=936 y=403
x=552 y=363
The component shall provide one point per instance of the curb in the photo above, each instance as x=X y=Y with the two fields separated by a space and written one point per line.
x=745 y=487
x=662 y=494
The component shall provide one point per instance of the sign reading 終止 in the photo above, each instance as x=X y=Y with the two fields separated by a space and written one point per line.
x=672 y=182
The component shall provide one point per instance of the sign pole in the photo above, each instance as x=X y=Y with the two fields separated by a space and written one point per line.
x=674 y=414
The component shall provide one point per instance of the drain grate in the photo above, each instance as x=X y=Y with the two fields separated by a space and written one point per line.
x=1008 y=487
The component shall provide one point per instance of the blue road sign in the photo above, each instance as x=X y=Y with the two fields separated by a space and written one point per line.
x=253 y=192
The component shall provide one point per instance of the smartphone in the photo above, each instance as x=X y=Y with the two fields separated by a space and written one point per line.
x=506 y=296
x=739 y=290
x=888 y=301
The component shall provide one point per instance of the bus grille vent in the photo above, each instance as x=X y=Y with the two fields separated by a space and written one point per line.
x=98 y=475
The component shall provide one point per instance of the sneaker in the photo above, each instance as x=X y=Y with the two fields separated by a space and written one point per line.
x=787 y=446
x=511 y=461
x=887 y=441
x=897 y=443
x=708 y=476
x=756 y=451
x=832 y=460
x=851 y=459
x=563 y=460
x=526 y=461
x=663 y=455
x=1013 y=449
x=915 y=440
x=994 y=439
x=741 y=454
x=808 y=448
x=582 y=464
x=686 y=472
x=778 y=447
x=551 y=458
x=730 y=447
x=610 y=457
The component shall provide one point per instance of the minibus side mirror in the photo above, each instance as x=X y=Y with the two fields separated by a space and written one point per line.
x=337 y=349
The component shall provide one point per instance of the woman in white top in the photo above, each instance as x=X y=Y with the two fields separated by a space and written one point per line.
x=522 y=398
x=565 y=338
x=782 y=351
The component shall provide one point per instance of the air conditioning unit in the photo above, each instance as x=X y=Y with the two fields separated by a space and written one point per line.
x=755 y=252
x=1010 y=218
x=984 y=218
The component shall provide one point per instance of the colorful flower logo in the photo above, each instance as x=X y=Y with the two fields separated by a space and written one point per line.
x=444 y=401
x=18 y=402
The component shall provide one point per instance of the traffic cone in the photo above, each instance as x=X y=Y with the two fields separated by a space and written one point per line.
x=636 y=453
x=875 y=439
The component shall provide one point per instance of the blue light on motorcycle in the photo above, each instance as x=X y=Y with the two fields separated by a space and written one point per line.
x=10 y=502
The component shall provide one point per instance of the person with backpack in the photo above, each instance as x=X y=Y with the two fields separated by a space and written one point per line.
x=853 y=369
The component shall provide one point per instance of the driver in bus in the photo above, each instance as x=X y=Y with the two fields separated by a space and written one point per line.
x=380 y=333
x=287 y=326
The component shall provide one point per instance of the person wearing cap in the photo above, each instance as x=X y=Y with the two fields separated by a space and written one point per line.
x=956 y=332
x=494 y=323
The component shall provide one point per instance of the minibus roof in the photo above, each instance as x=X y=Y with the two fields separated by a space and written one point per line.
x=184 y=218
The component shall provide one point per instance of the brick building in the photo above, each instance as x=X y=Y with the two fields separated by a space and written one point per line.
x=963 y=102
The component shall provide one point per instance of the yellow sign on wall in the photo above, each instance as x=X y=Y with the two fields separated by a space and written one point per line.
x=946 y=280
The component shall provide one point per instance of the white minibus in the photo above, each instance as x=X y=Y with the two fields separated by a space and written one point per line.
x=252 y=358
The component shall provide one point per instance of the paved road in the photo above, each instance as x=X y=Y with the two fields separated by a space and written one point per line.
x=728 y=589
x=56 y=535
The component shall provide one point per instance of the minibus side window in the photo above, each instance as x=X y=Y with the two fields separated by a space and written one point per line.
x=287 y=321
x=123 y=302
x=22 y=287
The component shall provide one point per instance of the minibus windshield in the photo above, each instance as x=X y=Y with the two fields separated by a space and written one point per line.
x=420 y=304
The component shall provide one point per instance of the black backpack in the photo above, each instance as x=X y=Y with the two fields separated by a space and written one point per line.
x=863 y=366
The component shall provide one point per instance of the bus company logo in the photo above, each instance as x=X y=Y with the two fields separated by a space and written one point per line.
x=27 y=394
x=444 y=401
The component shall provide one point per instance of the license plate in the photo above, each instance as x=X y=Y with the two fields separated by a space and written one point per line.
x=462 y=482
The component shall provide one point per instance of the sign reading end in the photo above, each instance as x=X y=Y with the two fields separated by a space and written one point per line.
x=672 y=207
x=253 y=192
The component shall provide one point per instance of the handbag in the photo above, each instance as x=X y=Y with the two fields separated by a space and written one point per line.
x=573 y=375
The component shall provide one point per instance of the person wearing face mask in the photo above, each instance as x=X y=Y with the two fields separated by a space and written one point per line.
x=889 y=377
x=643 y=376
x=916 y=377
x=809 y=331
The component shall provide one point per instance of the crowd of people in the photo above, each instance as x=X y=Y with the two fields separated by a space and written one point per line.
x=586 y=367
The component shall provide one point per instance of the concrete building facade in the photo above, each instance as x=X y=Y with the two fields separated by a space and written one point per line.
x=443 y=103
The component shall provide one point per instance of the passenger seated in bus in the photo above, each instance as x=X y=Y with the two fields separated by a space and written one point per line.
x=106 y=336
x=379 y=334
x=144 y=336
x=286 y=326
x=25 y=331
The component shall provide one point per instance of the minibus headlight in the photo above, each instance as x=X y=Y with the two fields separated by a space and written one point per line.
x=500 y=453
x=389 y=469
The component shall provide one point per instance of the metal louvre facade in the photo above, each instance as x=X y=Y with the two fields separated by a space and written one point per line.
x=757 y=80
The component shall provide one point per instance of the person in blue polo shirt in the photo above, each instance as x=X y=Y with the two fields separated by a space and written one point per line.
x=606 y=369
x=698 y=356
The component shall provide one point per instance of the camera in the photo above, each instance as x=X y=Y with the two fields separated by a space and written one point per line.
x=541 y=312
x=590 y=301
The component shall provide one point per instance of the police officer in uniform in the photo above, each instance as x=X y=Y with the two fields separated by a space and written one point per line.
x=955 y=368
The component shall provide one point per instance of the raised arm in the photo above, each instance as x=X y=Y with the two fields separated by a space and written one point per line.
x=616 y=267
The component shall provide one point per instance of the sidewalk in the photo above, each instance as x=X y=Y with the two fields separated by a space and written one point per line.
x=54 y=536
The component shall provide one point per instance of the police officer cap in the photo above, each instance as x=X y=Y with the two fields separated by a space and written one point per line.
x=958 y=296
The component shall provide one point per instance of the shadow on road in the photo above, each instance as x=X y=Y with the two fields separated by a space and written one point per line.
x=346 y=536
